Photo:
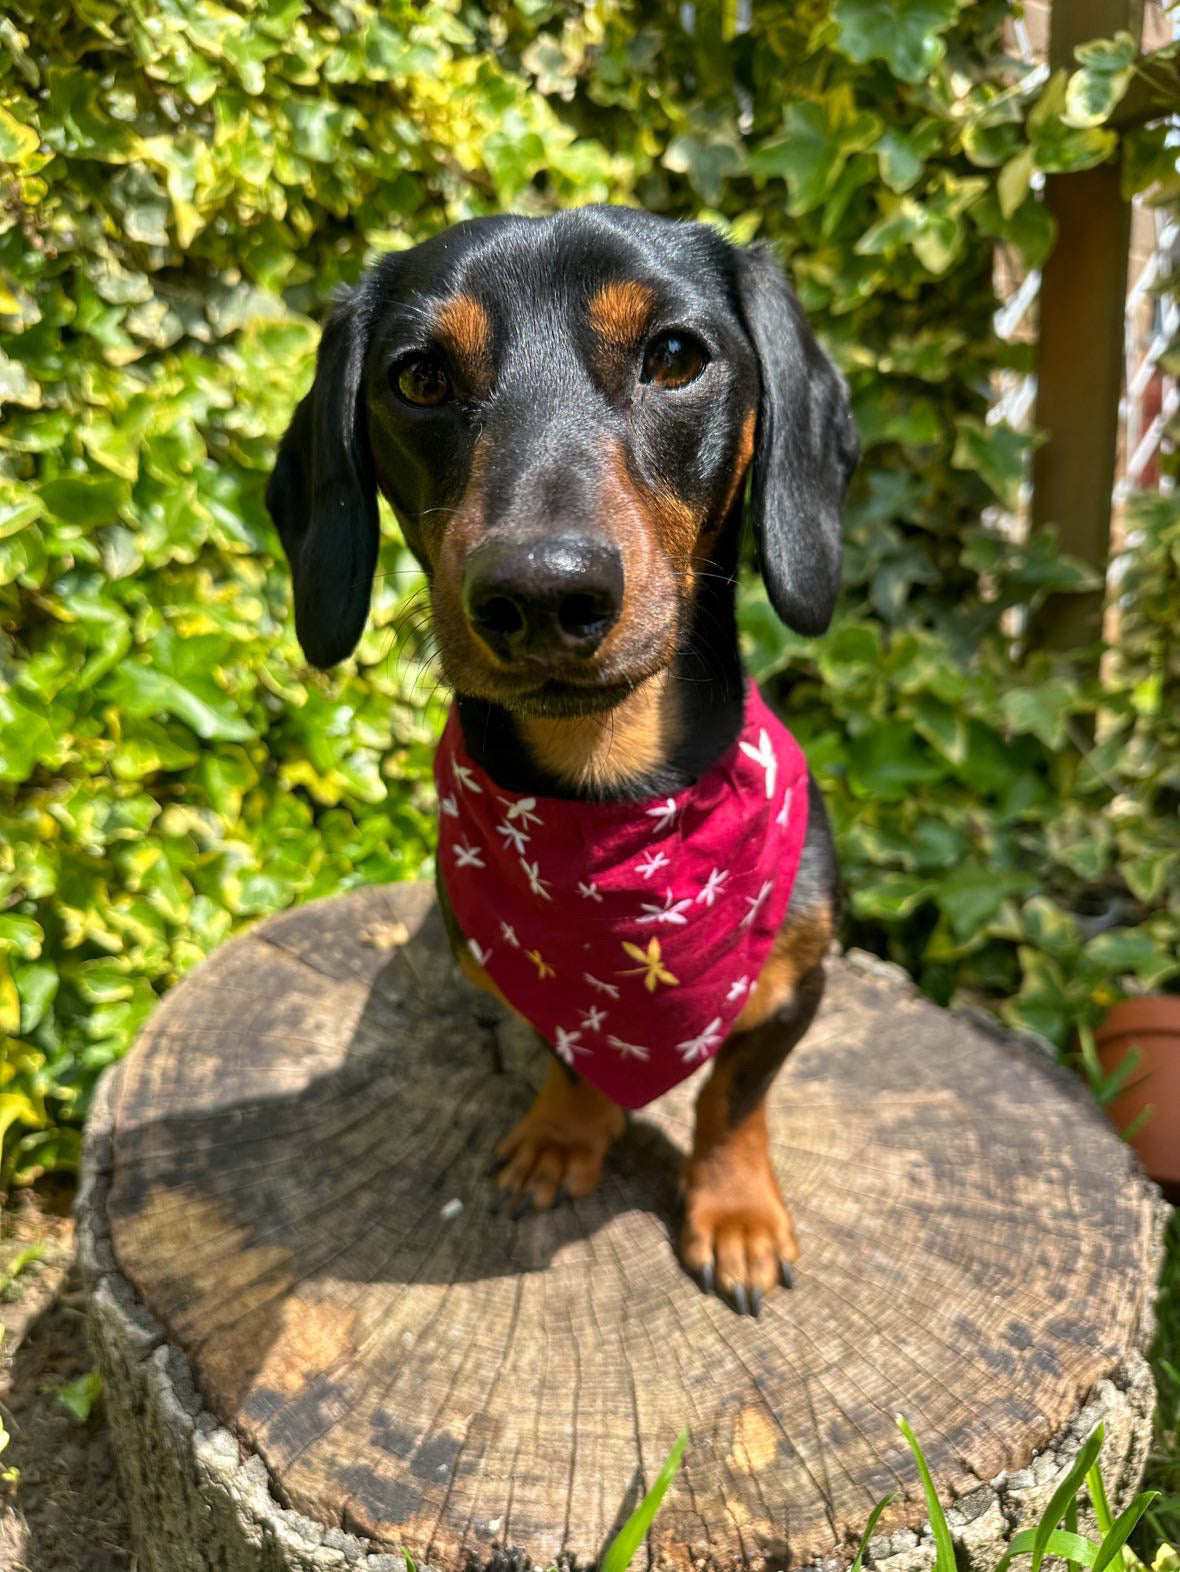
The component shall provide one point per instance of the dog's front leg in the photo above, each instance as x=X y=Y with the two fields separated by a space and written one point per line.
x=737 y=1235
x=560 y=1143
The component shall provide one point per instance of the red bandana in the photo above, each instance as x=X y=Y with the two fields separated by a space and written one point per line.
x=629 y=934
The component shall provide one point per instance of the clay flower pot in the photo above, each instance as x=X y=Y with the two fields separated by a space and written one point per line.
x=1152 y=1025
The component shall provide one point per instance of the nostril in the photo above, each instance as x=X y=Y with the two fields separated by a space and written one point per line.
x=583 y=616
x=498 y=614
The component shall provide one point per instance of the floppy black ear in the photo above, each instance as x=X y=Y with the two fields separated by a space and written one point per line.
x=805 y=450
x=322 y=493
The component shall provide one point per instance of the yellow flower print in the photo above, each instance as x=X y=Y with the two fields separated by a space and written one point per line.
x=651 y=969
x=543 y=967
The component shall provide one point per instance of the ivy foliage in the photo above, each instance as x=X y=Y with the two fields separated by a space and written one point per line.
x=186 y=183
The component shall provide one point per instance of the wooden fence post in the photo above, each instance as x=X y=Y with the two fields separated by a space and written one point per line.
x=1080 y=347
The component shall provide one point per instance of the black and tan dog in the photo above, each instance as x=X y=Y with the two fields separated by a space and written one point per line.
x=563 y=413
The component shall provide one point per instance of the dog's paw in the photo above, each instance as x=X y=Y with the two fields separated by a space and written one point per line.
x=558 y=1147
x=737 y=1239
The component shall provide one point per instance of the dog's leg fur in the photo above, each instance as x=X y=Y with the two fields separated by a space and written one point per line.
x=559 y=1144
x=737 y=1233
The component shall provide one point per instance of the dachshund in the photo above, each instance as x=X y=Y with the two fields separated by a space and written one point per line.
x=566 y=415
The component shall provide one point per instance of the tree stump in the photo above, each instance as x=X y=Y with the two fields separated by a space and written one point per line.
x=321 y=1345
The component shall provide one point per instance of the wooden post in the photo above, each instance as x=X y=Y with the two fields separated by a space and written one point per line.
x=1080 y=347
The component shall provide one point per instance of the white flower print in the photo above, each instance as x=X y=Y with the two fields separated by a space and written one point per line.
x=449 y=806
x=672 y=911
x=737 y=988
x=629 y=1050
x=466 y=779
x=566 y=1045
x=663 y=813
x=468 y=856
x=755 y=902
x=593 y=1019
x=784 y=813
x=603 y=987
x=589 y=892
x=709 y=891
x=539 y=886
x=508 y=934
x=522 y=810
x=482 y=956
x=513 y=837
x=651 y=862
x=764 y=755
x=700 y=1046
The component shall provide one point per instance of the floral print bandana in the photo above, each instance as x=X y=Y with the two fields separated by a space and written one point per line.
x=628 y=934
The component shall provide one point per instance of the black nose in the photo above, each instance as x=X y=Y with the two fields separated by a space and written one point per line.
x=543 y=597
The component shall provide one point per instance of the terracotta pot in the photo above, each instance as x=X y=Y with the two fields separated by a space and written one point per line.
x=1151 y=1024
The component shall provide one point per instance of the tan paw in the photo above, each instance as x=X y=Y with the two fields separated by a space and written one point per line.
x=558 y=1147
x=737 y=1239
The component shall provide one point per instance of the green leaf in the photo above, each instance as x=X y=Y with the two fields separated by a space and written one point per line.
x=1110 y=1551
x=996 y=452
x=81 y=1395
x=1067 y=1489
x=812 y=151
x=870 y=1527
x=944 y=1548
x=906 y=34
x=1061 y=1542
x=1094 y=91
x=629 y=1538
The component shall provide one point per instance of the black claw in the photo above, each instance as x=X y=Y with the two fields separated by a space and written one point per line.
x=562 y=1198
x=705 y=1278
x=495 y=1166
x=785 y=1275
x=738 y=1294
x=524 y=1206
x=498 y=1200
x=755 y=1302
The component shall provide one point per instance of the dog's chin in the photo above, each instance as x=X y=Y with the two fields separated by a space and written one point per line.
x=554 y=699
x=555 y=695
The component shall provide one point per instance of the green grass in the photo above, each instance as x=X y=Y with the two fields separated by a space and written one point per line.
x=1161 y=1523
x=1056 y=1534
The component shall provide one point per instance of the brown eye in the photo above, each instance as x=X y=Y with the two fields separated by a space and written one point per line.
x=420 y=379
x=673 y=360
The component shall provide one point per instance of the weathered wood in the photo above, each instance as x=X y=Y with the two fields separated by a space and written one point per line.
x=270 y=1212
x=1080 y=348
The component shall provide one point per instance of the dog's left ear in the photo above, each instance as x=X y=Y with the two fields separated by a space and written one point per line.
x=805 y=450
x=322 y=492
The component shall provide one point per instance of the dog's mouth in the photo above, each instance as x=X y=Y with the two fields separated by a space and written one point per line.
x=555 y=689
x=556 y=697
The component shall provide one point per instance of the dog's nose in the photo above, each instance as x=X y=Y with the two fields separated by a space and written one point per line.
x=543 y=597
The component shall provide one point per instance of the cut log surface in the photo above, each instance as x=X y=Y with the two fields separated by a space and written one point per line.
x=321 y=1344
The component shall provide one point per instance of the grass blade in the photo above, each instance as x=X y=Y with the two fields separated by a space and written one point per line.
x=1071 y=1527
x=944 y=1544
x=1064 y=1494
x=1102 y=1513
x=1074 y=1548
x=874 y=1519
x=1111 y=1548
x=629 y=1538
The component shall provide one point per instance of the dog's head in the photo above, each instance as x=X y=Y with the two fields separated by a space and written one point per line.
x=562 y=413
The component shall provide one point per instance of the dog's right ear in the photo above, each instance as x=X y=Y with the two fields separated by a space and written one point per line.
x=322 y=493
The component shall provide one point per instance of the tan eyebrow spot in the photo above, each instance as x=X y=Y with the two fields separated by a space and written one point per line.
x=619 y=312
x=467 y=328
x=741 y=460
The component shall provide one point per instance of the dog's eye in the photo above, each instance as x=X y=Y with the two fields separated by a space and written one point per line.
x=674 y=360
x=420 y=379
